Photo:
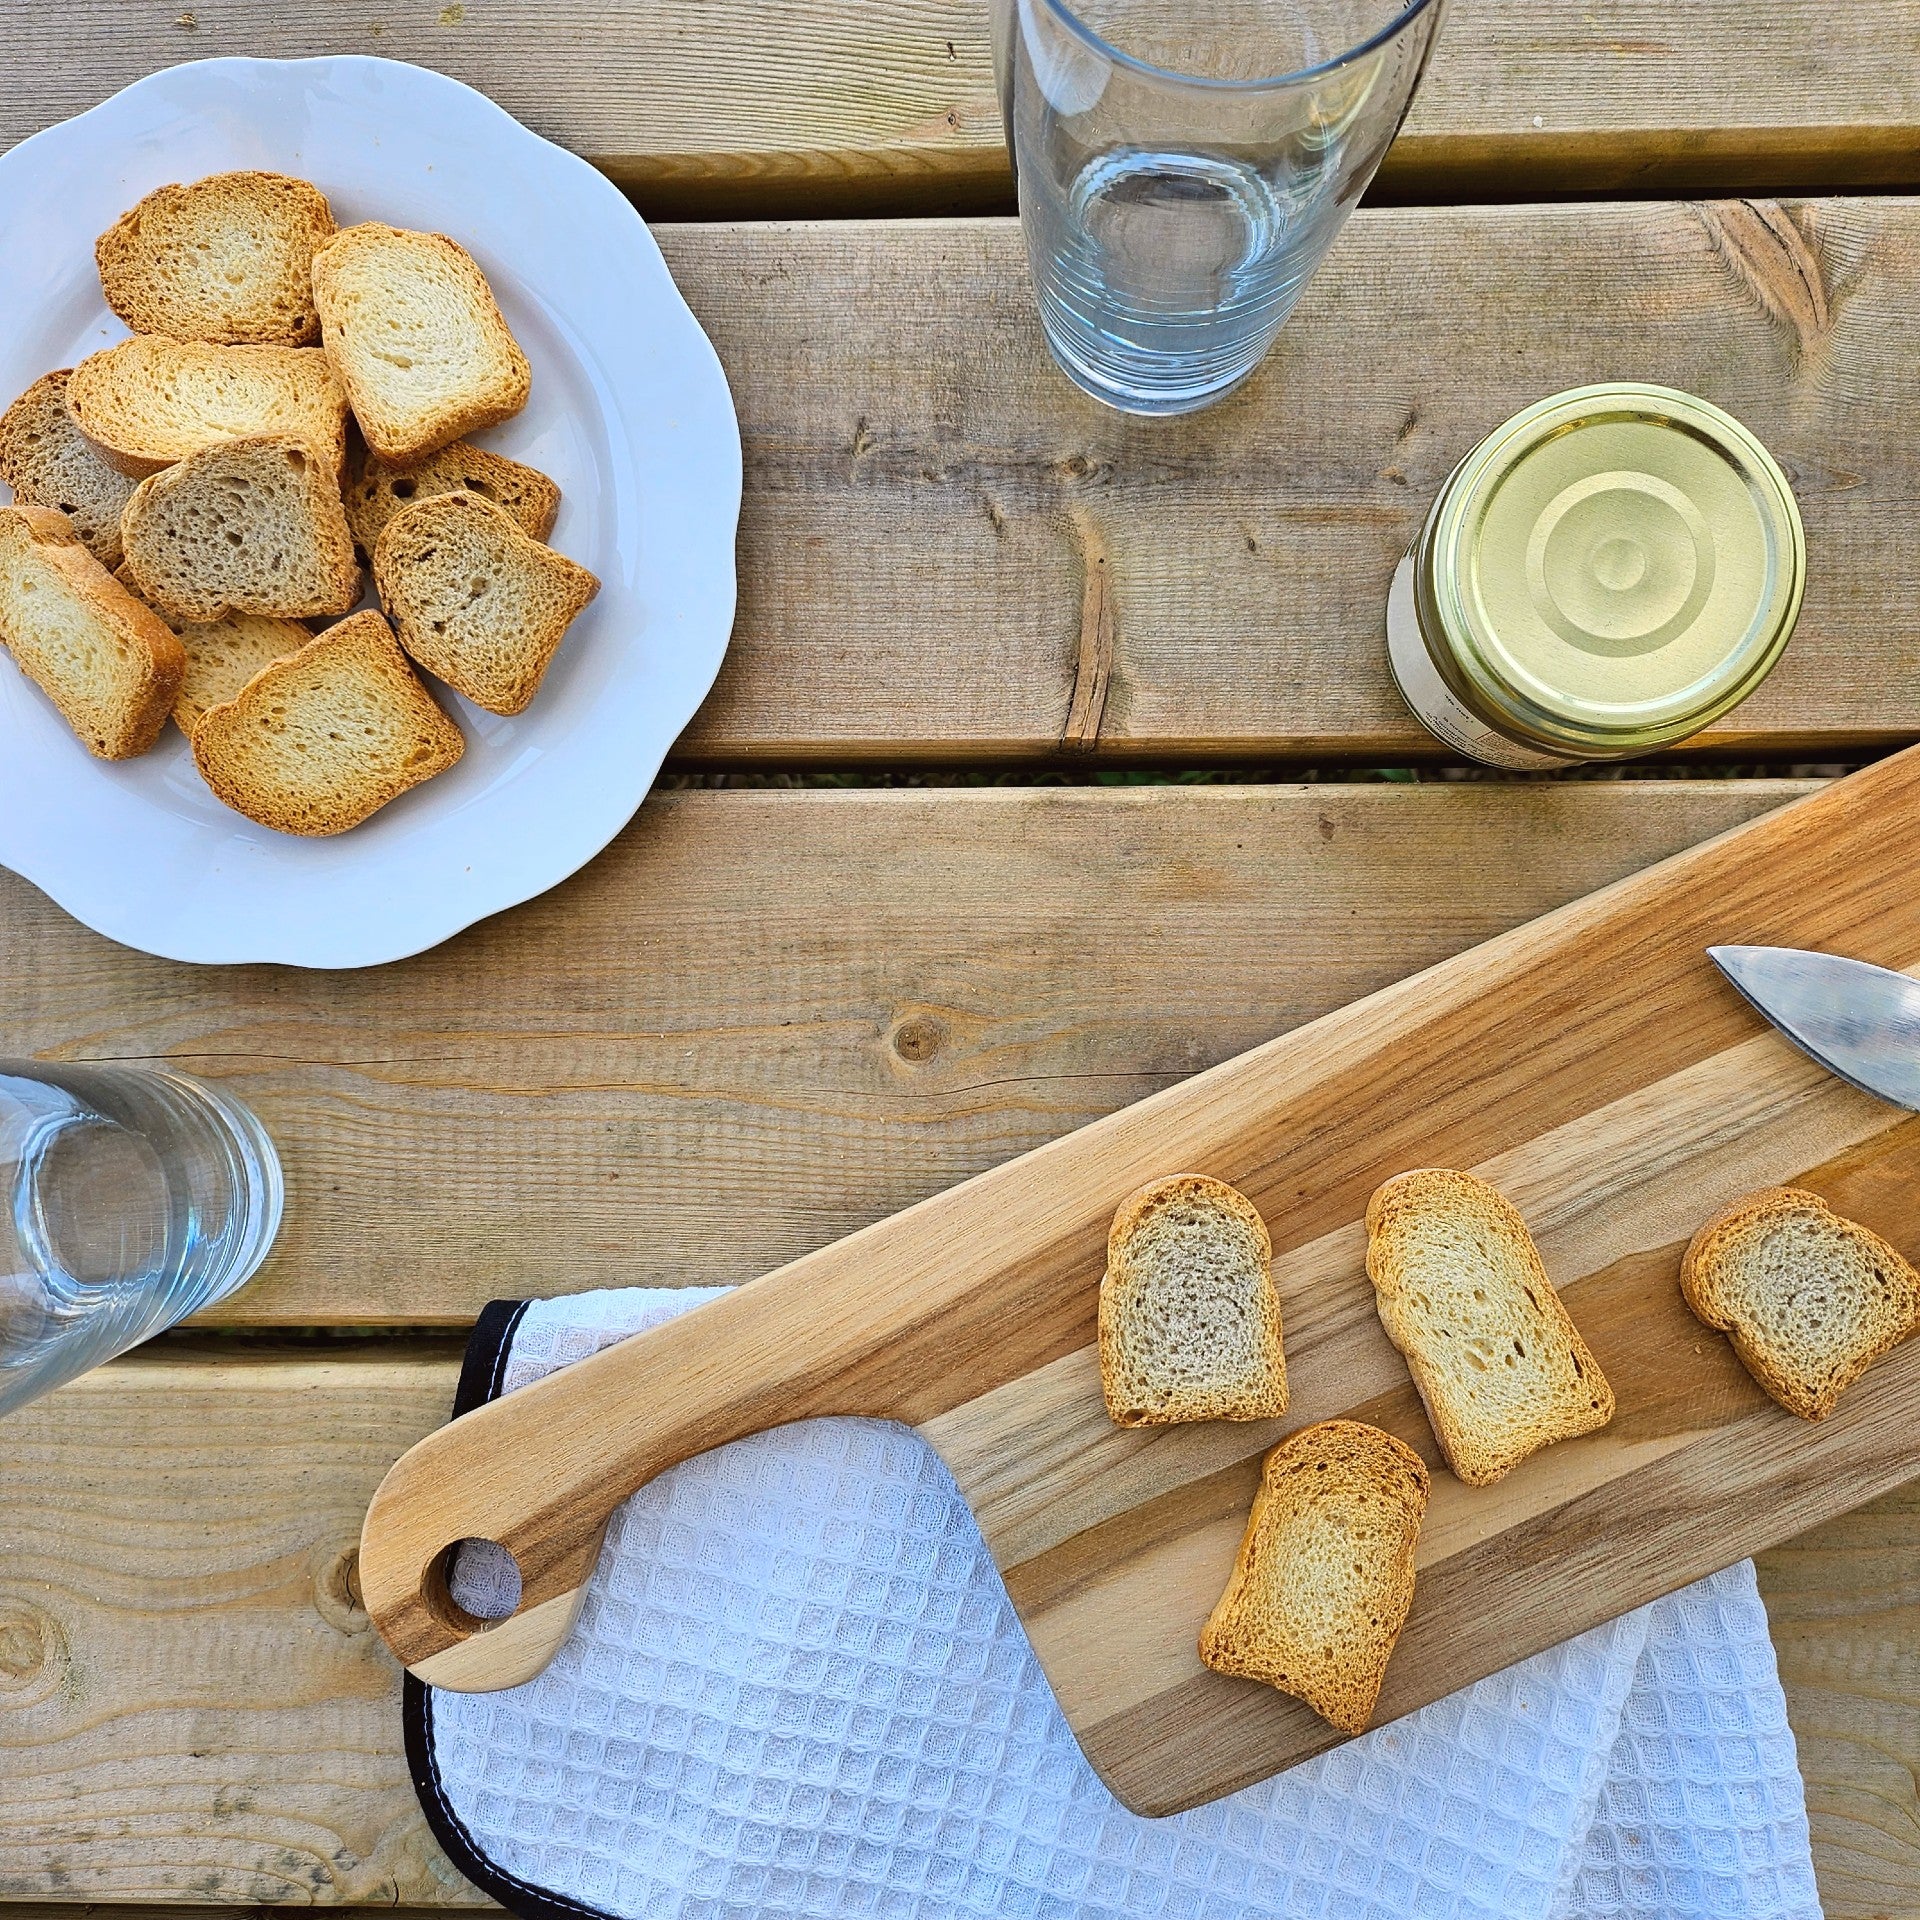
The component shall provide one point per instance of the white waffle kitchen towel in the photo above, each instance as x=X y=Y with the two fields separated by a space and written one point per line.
x=797 y=1688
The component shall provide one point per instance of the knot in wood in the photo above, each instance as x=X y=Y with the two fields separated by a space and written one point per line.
x=33 y=1651
x=336 y=1587
x=918 y=1038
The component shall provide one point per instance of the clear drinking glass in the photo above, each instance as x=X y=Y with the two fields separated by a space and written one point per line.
x=135 y=1197
x=1183 y=169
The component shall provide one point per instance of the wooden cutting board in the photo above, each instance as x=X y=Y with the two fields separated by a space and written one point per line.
x=1593 y=1065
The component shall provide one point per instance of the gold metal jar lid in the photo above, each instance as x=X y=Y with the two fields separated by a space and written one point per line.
x=1610 y=571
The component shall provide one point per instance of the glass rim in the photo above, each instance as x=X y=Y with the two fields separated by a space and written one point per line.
x=1133 y=63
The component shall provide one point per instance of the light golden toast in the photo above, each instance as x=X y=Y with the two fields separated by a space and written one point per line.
x=1324 y=1579
x=377 y=492
x=1189 y=1320
x=223 y=655
x=315 y=743
x=1809 y=1299
x=419 y=341
x=108 y=663
x=1463 y=1294
x=227 y=259
x=49 y=462
x=248 y=526
x=474 y=600
x=151 y=401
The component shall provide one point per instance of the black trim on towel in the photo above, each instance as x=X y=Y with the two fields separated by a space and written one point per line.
x=481 y=1373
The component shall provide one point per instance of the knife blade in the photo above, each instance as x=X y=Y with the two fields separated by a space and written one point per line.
x=1857 y=1020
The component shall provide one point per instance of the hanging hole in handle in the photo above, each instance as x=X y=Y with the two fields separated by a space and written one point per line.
x=474 y=1585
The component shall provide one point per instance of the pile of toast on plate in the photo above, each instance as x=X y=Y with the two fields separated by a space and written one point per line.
x=1190 y=1330
x=189 y=504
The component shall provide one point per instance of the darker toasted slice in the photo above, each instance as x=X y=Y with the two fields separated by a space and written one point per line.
x=248 y=526
x=316 y=742
x=151 y=401
x=49 y=462
x=476 y=601
x=419 y=341
x=379 y=491
x=108 y=663
x=1324 y=1579
x=1463 y=1294
x=227 y=259
x=223 y=655
x=1809 y=1299
x=1189 y=1320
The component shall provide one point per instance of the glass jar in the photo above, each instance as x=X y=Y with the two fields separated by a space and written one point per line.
x=1608 y=573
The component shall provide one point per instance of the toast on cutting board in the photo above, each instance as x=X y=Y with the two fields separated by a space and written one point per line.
x=1189 y=1321
x=1809 y=1298
x=315 y=743
x=419 y=341
x=379 y=491
x=110 y=665
x=474 y=600
x=1324 y=1578
x=248 y=526
x=227 y=259
x=223 y=655
x=49 y=462
x=151 y=401
x=1463 y=1294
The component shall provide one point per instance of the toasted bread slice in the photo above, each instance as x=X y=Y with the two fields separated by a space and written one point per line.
x=1809 y=1299
x=48 y=462
x=1189 y=1319
x=227 y=259
x=379 y=491
x=223 y=655
x=109 y=664
x=316 y=742
x=1463 y=1294
x=151 y=401
x=1324 y=1579
x=248 y=526
x=418 y=338
x=474 y=600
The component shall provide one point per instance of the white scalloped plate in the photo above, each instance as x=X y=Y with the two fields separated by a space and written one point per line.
x=630 y=414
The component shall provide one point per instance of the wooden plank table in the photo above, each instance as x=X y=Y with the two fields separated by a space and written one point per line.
x=921 y=980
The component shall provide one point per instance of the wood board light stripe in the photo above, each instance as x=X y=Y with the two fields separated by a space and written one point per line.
x=1594 y=1061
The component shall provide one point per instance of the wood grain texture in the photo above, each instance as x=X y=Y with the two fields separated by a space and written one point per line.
x=721 y=106
x=193 y=1711
x=762 y=1019
x=1844 y=1602
x=191 y=1703
x=948 y=554
x=1594 y=1061
x=946 y=550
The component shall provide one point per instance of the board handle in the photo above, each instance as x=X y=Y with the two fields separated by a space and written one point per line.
x=541 y=1470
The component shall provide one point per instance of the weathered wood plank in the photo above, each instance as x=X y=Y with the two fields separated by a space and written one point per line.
x=923 y=488
x=830 y=104
x=195 y=1710
x=1844 y=1601
x=762 y=1019
x=194 y=1704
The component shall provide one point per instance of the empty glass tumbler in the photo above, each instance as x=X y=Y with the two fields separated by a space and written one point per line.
x=135 y=1198
x=1182 y=170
